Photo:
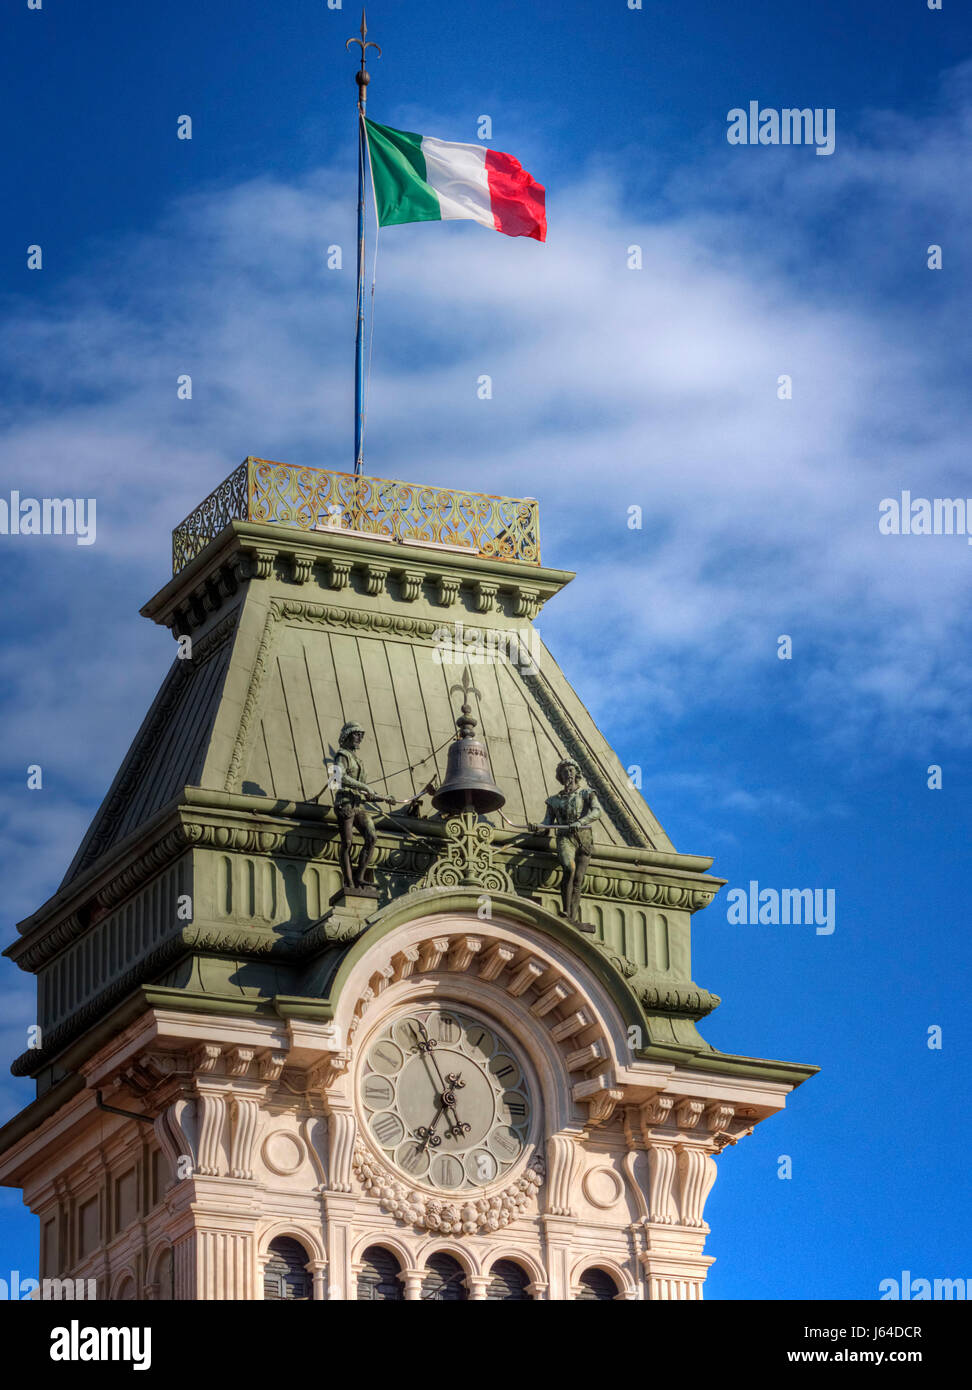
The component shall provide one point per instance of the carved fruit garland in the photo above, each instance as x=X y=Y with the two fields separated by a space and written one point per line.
x=447 y=1217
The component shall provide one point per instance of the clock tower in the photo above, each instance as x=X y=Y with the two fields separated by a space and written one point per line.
x=372 y=977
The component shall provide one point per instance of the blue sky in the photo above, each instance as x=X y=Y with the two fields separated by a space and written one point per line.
x=612 y=388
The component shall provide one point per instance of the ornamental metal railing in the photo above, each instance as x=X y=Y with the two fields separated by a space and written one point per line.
x=318 y=499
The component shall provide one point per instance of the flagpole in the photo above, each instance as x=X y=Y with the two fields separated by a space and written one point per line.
x=362 y=77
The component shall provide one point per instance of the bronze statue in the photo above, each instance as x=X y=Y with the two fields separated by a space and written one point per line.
x=351 y=790
x=570 y=816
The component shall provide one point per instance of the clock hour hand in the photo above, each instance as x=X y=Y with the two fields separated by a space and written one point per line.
x=459 y=1127
x=427 y=1134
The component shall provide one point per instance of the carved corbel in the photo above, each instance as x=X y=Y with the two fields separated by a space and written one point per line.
x=173 y=1129
x=656 y=1111
x=404 y=963
x=485 y=594
x=717 y=1116
x=238 y=1060
x=339 y=572
x=463 y=951
x=324 y=1073
x=212 y=597
x=245 y=1117
x=688 y=1113
x=167 y=1064
x=447 y=589
x=257 y=562
x=600 y=1095
x=381 y=979
x=661 y=1183
x=341 y=1131
x=302 y=567
x=431 y=953
x=525 y=976
x=573 y=1023
x=197 y=603
x=696 y=1174
x=526 y=602
x=271 y=1065
x=550 y=998
x=212 y=1117
x=584 y=1058
x=205 y=1058
x=376 y=577
x=563 y=1157
x=495 y=960
x=630 y=1164
x=411 y=582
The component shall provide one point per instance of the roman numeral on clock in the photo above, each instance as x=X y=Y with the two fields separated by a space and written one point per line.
x=388 y=1128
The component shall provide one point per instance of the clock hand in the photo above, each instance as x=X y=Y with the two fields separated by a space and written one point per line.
x=459 y=1127
x=426 y=1133
x=454 y=1079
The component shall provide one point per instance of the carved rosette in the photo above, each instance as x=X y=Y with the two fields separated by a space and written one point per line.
x=445 y=1215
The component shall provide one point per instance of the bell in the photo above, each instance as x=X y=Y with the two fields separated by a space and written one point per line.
x=468 y=784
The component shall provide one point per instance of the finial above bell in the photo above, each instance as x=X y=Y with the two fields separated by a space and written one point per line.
x=468 y=784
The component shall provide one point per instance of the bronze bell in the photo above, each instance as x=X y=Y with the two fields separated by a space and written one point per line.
x=468 y=784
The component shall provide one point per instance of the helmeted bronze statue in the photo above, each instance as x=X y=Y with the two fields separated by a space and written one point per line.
x=351 y=790
x=570 y=815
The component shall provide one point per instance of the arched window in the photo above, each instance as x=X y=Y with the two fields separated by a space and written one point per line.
x=164 y=1276
x=378 y=1279
x=596 y=1284
x=508 y=1282
x=284 y=1275
x=445 y=1280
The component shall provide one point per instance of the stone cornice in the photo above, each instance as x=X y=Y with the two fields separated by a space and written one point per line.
x=249 y=550
x=233 y=823
x=243 y=824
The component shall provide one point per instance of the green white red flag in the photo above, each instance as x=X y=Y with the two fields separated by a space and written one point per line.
x=418 y=178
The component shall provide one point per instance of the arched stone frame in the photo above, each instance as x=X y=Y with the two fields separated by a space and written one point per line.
x=292 y=1230
x=124 y=1275
x=538 y=1284
x=566 y=982
x=160 y=1248
x=627 y=1289
x=388 y=1240
x=437 y=1245
x=403 y=1254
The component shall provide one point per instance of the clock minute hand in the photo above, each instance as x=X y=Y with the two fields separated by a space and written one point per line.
x=427 y=1045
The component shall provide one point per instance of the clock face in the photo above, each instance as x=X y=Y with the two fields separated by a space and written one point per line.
x=445 y=1099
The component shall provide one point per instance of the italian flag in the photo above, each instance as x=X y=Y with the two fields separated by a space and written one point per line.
x=420 y=179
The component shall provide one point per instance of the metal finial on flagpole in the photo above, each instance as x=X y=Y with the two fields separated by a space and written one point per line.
x=362 y=77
